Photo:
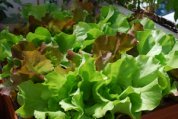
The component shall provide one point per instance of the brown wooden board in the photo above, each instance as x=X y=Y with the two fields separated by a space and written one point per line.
x=170 y=112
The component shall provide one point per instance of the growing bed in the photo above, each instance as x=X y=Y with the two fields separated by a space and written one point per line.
x=76 y=65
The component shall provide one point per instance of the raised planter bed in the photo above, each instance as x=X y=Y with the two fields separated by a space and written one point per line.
x=168 y=112
x=73 y=68
x=168 y=27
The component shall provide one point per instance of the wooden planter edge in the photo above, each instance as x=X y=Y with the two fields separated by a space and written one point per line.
x=169 y=112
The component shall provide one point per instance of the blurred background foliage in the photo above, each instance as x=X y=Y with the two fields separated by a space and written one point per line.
x=148 y=5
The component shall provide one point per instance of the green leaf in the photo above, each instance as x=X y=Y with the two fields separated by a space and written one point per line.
x=80 y=30
x=153 y=42
x=106 y=28
x=99 y=110
x=166 y=41
x=151 y=96
x=5 y=50
x=123 y=75
x=117 y=21
x=125 y=106
x=67 y=106
x=74 y=103
x=146 y=42
x=148 y=68
x=121 y=24
x=85 y=34
x=7 y=40
x=6 y=69
x=94 y=33
x=60 y=14
x=38 y=11
x=40 y=35
x=106 y=13
x=172 y=59
x=50 y=115
x=65 y=41
x=59 y=84
x=147 y=23
x=31 y=100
